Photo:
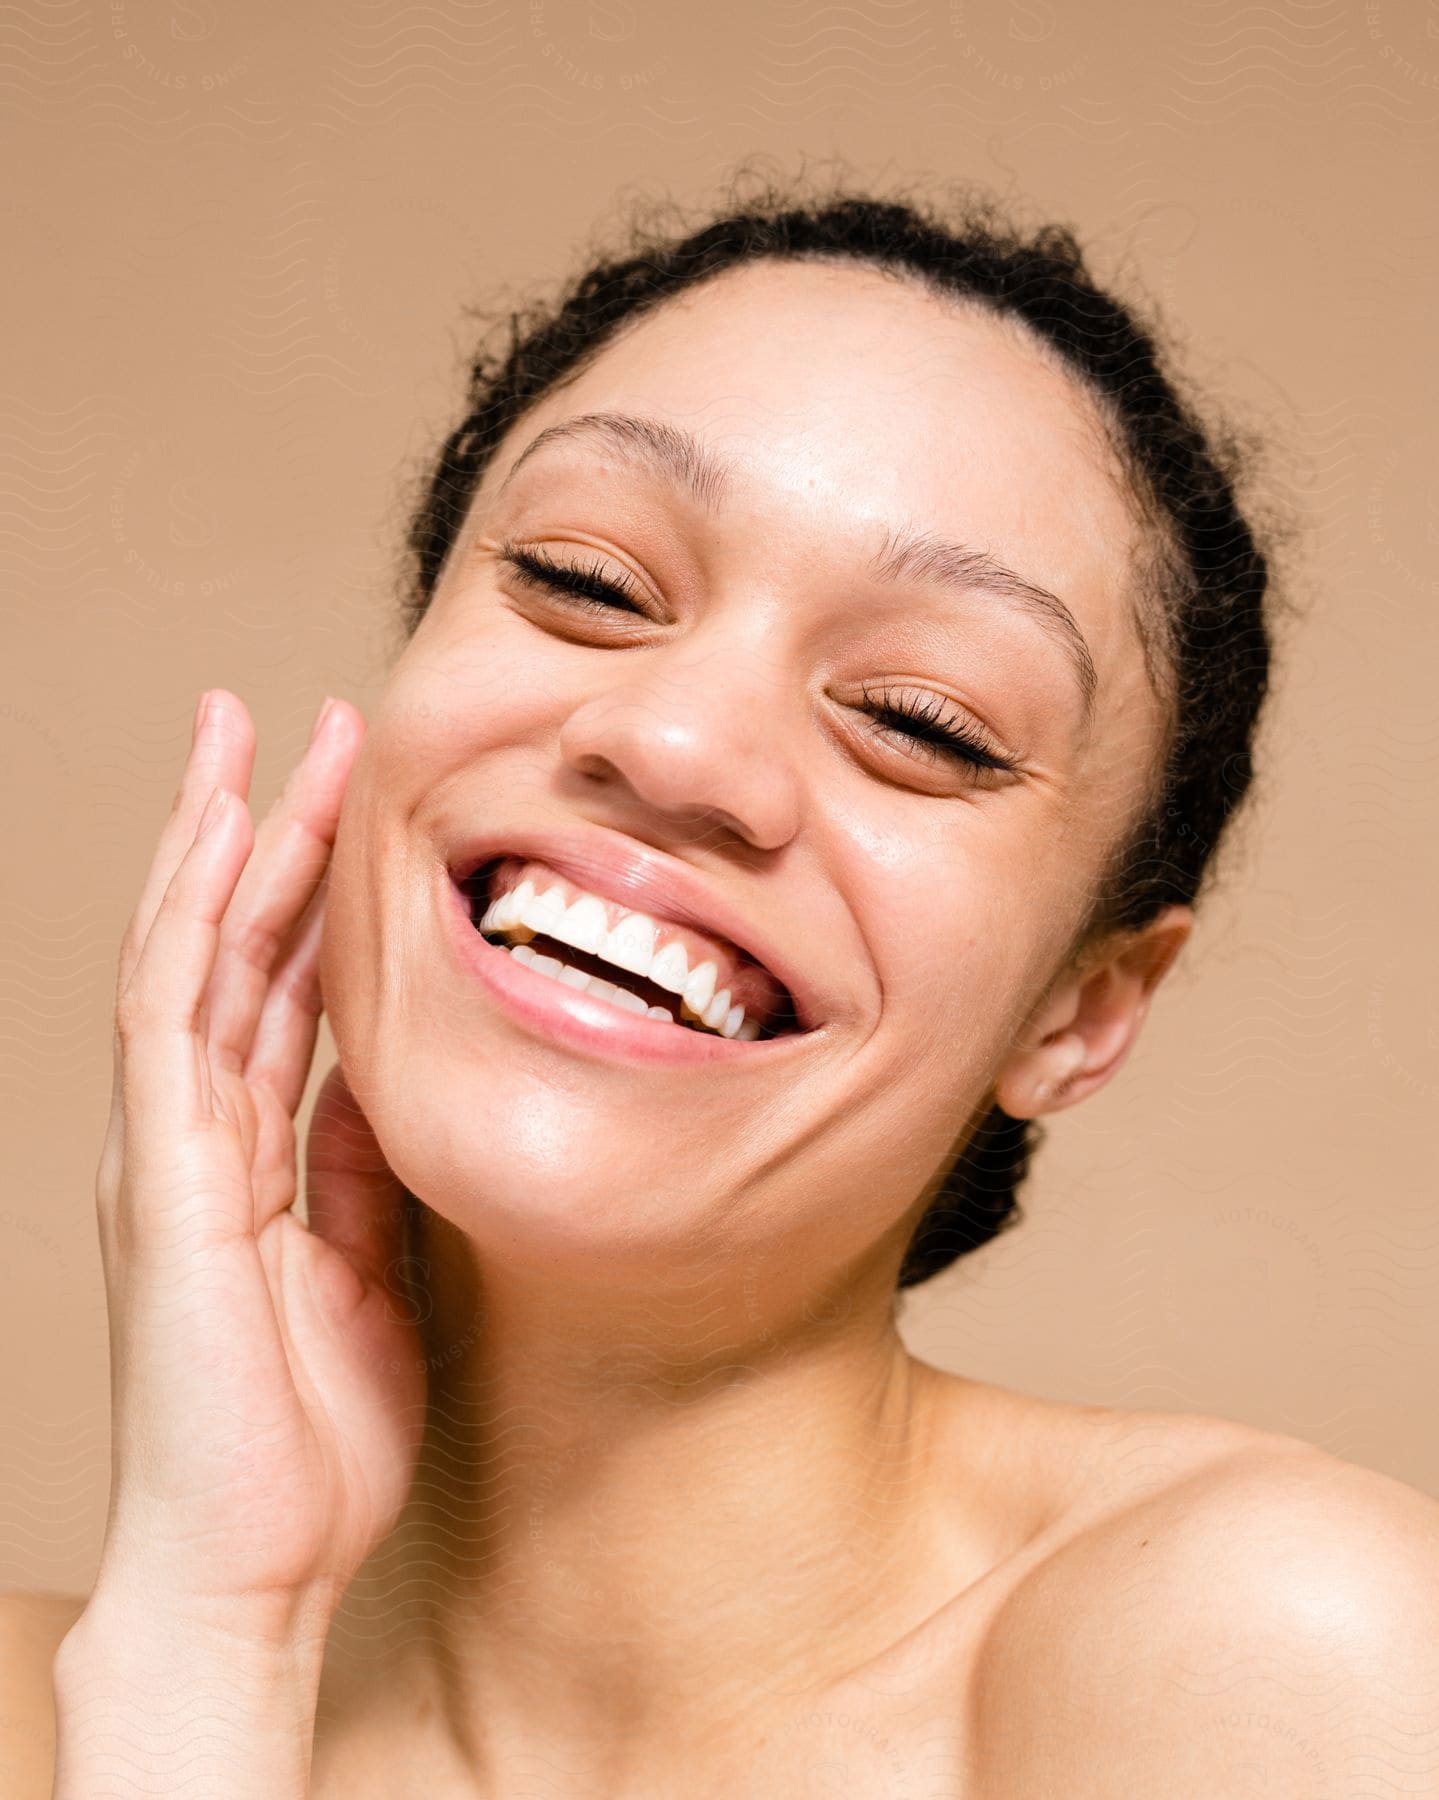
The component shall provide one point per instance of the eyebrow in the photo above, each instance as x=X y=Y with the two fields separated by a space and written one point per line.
x=680 y=458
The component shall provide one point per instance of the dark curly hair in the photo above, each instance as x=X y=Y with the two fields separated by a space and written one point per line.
x=1200 y=578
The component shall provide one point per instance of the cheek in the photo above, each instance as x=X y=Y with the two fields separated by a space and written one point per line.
x=951 y=997
x=370 y=880
x=447 y=704
x=985 y=943
x=462 y=693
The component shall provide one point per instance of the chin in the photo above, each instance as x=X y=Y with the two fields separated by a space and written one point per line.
x=529 y=1175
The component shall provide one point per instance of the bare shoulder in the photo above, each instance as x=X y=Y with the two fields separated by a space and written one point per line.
x=31 y=1627
x=1264 y=1621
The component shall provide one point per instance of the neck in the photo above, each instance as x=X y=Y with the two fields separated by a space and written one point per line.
x=632 y=1510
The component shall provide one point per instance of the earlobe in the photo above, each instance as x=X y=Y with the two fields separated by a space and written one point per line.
x=1090 y=1021
x=1041 y=1080
x=1051 y=1053
x=1064 y=1060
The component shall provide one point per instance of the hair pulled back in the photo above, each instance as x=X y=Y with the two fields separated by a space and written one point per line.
x=1199 y=588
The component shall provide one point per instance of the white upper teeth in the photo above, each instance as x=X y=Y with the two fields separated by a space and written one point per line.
x=670 y=968
x=630 y=945
x=541 y=912
x=699 y=987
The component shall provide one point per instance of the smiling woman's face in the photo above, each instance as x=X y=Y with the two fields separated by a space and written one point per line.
x=717 y=726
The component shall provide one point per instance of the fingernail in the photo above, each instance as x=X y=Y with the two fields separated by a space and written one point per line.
x=202 y=712
x=214 y=809
x=320 y=718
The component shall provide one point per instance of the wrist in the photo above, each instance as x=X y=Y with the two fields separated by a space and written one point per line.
x=185 y=1700
x=147 y=1633
x=268 y=1629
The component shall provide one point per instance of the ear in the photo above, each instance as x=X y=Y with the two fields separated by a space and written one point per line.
x=1083 y=1029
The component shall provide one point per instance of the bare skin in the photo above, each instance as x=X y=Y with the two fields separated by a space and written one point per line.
x=878 y=1703
x=687 y=1516
x=1123 y=1524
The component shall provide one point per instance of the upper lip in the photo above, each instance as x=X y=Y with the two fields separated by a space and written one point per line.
x=619 y=869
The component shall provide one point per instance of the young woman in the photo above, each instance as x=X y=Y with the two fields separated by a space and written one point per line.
x=833 y=658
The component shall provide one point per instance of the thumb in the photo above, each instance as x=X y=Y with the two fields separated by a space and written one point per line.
x=353 y=1198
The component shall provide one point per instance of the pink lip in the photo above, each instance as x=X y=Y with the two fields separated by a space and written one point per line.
x=620 y=870
x=580 y=1021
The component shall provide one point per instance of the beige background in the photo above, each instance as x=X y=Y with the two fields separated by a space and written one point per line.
x=241 y=239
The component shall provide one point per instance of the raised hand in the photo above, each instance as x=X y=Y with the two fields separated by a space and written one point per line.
x=267 y=1383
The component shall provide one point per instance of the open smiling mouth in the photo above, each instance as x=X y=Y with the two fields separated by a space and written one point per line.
x=635 y=961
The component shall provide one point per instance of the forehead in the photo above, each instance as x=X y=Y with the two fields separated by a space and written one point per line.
x=845 y=400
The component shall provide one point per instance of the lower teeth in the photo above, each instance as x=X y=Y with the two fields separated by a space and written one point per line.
x=620 y=997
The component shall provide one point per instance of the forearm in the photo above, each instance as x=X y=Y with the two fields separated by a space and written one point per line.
x=150 y=1706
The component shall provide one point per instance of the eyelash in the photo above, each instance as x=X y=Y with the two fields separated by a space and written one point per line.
x=928 y=733
x=935 y=733
x=587 y=589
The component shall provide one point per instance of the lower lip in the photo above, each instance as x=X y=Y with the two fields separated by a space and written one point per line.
x=580 y=1021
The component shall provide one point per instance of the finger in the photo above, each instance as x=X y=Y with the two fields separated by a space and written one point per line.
x=274 y=1181
x=283 y=1046
x=221 y=754
x=353 y=1199
x=291 y=854
x=165 y=1073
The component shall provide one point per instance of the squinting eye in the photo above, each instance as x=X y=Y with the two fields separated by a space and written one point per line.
x=920 y=728
x=585 y=589
x=930 y=733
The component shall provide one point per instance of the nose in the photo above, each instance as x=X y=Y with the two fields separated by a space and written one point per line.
x=699 y=742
